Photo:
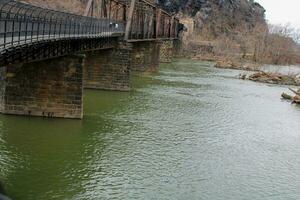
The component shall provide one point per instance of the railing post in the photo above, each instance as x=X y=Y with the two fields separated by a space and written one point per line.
x=129 y=19
x=172 y=27
x=150 y=25
x=158 y=16
x=124 y=13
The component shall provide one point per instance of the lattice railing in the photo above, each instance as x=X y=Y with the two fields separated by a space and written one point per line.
x=22 y=23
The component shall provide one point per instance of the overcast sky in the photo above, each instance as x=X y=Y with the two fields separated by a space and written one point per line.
x=282 y=12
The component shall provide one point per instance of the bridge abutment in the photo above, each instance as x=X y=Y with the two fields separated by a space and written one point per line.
x=145 y=56
x=108 y=69
x=166 y=51
x=51 y=88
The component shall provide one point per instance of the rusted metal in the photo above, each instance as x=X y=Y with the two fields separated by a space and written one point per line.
x=129 y=19
x=24 y=27
x=88 y=8
x=158 y=23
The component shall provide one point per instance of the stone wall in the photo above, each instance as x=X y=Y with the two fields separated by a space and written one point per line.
x=145 y=56
x=177 y=48
x=2 y=87
x=166 y=51
x=51 y=88
x=54 y=88
x=108 y=69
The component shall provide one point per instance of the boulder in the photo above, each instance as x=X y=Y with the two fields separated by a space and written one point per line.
x=273 y=78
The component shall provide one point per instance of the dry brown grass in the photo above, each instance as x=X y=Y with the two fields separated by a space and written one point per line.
x=74 y=6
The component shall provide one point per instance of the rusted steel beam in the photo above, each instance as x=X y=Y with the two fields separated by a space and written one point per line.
x=148 y=3
x=172 y=27
x=150 y=30
x=129 y=19
x=124 y=13
x=88 y=7
x=158 y=18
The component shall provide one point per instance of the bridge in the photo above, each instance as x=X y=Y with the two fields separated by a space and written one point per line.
x=48 y=57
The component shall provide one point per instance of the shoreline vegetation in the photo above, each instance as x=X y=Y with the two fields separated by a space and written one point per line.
x=248 y=48
x=256 y=74
x=259 y=75
x=254 y=71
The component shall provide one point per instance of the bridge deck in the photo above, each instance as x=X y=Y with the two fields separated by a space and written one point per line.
x=23 y=26
x=19 y=41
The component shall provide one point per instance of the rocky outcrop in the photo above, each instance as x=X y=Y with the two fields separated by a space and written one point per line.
x=274 y=78
x=227 y=64
x=221 y=15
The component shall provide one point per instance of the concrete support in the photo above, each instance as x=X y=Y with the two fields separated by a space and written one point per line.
x=177 y=48
x=166 y=51
x=108 y=69
x=51 y=88
x=145 y=56
x=2 y=88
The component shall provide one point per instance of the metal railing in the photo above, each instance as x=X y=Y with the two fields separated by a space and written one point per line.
x=151 y=22
x=21 y=23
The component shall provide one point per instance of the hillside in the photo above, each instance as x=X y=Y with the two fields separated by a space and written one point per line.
x=74 y=6
x=234 y=29
x=219 y=16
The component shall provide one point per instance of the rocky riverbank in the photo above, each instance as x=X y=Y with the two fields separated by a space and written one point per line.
x=274 y=78
x=293 y=99
x=224 y=64
x=259 y=75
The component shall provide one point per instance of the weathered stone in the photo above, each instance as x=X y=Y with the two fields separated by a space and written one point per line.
x=51 y=88
x=273 y=78
x=108 y=69
x=54 y=88
x=145 y=56
x=177 y=48
x=166 y=51
x=2 y=88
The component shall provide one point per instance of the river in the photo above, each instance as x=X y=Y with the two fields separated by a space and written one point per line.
x=188 y=132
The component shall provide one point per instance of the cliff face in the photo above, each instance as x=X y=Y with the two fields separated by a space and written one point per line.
x=214 y=16
x=221 y=15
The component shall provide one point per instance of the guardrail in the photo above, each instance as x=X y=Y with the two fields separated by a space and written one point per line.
x=22 y=23
x=151 y=22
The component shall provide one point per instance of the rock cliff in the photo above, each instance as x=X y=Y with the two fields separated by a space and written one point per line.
x=220 y=15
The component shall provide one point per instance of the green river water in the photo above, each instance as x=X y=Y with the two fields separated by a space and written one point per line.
x=189 y=132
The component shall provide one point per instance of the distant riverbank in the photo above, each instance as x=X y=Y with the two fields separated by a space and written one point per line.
x=282 y=75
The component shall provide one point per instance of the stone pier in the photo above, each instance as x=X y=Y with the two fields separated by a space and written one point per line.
x=51 y=88
x=145 y=56
x=108 y=69
x=54 y=88
x=166 y=51
x=177 y=48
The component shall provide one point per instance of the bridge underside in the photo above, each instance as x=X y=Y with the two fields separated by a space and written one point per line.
x=47 y=57
x=51 y=88
x=108 y=69
x=48 y=49
x=145 y=56
x=54 y=87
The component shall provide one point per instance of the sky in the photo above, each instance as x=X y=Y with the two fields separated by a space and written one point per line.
x=282 y=11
